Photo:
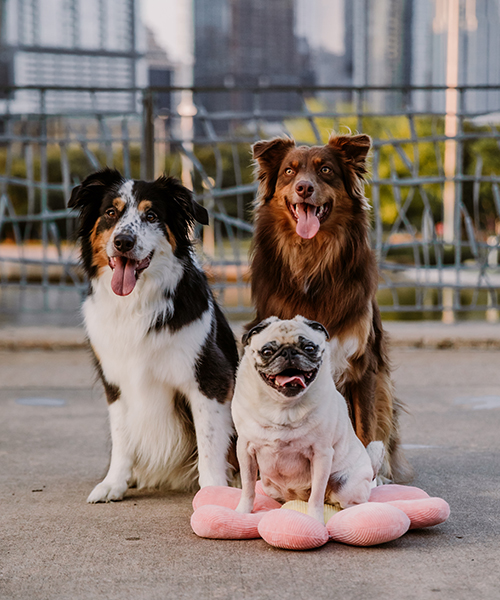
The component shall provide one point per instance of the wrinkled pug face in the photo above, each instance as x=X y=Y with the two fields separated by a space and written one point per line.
x=287 y=354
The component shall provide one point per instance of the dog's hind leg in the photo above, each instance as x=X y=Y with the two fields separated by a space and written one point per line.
x=116 y=482
x=395 y=468
x=213 y=426
x=376 y=452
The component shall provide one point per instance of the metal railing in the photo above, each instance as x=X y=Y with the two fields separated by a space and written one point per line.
x=437 y=260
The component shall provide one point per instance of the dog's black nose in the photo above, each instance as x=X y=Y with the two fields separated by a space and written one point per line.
x=304 y=188
x=289 y=352
x=124 y=242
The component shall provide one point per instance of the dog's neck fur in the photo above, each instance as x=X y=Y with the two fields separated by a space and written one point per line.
x=151 y=300
x=340 y=268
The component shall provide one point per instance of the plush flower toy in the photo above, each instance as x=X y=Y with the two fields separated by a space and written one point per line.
x=389 y=513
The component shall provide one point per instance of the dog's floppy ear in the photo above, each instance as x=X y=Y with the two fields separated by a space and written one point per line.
x=184 y=197
x=87 y=197
x=268 y=156
x=200 y=213
x=352 y=151
x=254 y=330
x=318 y=327
x=355 y=149
x=93 y=187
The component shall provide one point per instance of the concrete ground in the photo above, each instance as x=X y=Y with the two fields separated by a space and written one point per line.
x=54 y=448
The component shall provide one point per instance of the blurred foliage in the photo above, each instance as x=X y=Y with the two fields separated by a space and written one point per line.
x=226 y=166
x=403 y=149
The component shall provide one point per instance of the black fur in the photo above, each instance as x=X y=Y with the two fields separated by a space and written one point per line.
x=335 y=483
x=177 y=213
x=112 y=391
x=88 y=197
x=218 y=360
x=191 y=300
x=180 y=212
x=256 y=329
x=174 y=204
x=318 y=327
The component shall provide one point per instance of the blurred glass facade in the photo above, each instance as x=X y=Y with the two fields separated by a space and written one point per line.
x=347 y=42
x=71 y=43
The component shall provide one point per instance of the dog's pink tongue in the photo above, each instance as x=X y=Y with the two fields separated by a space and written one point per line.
x=123 y=280
x=308 y=223
x=284 y=379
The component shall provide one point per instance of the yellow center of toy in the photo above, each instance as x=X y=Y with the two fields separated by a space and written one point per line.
x=301 y=506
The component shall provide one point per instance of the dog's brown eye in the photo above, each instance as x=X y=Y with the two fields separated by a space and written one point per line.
x=266 y=352
x=310 y=349
x=111 y=212
x=289 y=171
x=151 y=216
x=326 y=169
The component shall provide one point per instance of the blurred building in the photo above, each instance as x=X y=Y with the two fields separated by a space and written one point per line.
x=404 y=42
x=160 y=73
x=320 y=31
x=330 y=43
x=88 y=43
x=478 y=53
x=248 y=43
x=347 y=42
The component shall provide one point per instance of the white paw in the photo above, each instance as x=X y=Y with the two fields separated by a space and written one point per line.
x=317 y=513
x=210 y=479
x=245 y=506
x=107 y=491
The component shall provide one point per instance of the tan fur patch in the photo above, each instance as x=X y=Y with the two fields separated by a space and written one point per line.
x=145 y=205
x=384 y=394
x=348 y=346
x=95 y=353
x=359 y=331
x=99 y=242
x=119 y=204
x=358 y=421
x=171 y=238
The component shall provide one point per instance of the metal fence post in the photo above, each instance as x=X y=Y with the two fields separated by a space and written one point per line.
x=406 y=189
x=148 y=137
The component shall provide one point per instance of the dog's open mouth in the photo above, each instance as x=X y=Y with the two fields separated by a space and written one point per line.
x=126 y=272
x=308 y=217
x=290 y=381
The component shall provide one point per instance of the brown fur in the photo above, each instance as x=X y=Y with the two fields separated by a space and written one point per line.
x=119 y=204
x=145 y=205
x=331 y=278
x=98 y=239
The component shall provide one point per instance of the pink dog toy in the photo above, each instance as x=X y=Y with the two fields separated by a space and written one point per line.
x=389 y=513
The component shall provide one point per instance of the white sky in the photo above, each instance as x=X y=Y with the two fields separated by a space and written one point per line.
x=321 y=21
x=170 y=22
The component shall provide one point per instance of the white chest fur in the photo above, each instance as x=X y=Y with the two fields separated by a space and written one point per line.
x=119 y=329
x=149 y=368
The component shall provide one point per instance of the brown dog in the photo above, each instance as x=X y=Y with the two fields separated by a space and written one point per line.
x=312 y=257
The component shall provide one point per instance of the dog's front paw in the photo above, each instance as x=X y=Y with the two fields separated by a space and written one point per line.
x=317 y=513
x=107 y=491
x=245 y=505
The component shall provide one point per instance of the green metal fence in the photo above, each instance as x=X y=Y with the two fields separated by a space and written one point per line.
x=434 y=186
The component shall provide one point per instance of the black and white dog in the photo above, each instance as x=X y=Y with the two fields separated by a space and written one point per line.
x=163 y=349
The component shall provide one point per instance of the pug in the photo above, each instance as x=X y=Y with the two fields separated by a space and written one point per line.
x=293 y=425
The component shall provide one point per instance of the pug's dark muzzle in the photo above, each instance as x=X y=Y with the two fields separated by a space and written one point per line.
x=290 y=371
